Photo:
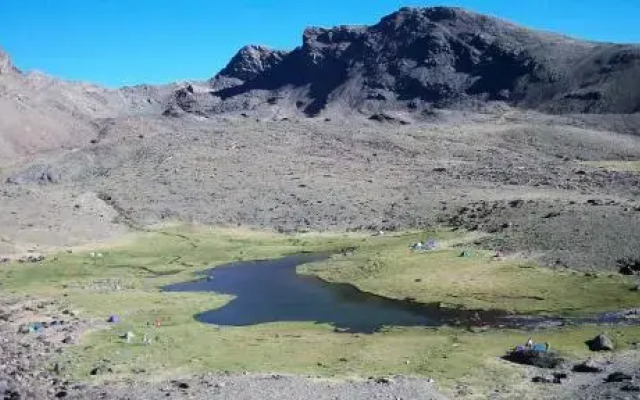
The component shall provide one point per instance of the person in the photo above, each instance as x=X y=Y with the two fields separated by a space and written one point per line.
x=529 y=343
x=547 y=346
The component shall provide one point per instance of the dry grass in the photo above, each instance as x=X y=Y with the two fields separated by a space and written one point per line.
x=623 y=166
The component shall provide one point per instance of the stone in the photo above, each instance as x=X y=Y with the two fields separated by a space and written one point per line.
x=588 y=366
x=558 y=377
x=68 y=340
x=541 y=379
x=100 y=369
x=57 y=368
x=12 y=395
x=535 y=358
x=626 y=270
x=618 y=376
x=601 y=343
x=516 y=203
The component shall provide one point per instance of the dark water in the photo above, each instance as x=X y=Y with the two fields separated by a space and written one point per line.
x=272 y=291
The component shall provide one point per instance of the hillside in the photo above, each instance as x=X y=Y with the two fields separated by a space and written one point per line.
x=41 y=113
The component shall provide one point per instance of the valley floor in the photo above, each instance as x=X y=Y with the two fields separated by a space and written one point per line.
x=86 y=356
x=557 y=197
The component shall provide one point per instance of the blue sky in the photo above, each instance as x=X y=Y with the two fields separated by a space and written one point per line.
x=125 y=42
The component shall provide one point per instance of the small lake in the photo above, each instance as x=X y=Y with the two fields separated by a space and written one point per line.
x=271 y=291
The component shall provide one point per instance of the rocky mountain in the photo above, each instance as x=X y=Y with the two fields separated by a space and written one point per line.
x=412 y=61
x=419 y=58
x=41 y=113
x=6 y=67
x=252 y=61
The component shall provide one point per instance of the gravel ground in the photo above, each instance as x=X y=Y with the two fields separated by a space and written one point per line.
x=470 y=171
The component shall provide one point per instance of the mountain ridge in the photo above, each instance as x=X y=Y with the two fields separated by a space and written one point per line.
x=438 y=56
x=412 y=62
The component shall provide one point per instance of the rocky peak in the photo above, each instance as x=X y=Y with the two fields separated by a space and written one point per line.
x=5 y=63
x=417 y=58
x=252 y=61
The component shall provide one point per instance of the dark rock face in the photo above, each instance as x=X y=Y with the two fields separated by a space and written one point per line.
x=445 y=57
x=252 y=61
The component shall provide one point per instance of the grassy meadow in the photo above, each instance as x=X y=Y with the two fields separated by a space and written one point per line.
x=126 y=281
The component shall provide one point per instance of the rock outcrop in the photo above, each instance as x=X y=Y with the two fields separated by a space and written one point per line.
x=251 y=62
x=6 y=67
x=422 y=57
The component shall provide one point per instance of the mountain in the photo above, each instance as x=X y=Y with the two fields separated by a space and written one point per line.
x=6 y=67
x=251 y=62
x=418 y=58
x=41 y=113
x=412 y=61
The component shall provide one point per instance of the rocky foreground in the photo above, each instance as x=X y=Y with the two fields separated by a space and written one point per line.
x=35 y=333
x=29 y=370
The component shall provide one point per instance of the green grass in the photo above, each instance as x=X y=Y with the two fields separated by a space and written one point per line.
x=149 y=260
x=144 y=262
x=624 y=166
x=478 y=282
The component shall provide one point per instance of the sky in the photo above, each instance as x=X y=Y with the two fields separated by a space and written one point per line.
x=128 y=42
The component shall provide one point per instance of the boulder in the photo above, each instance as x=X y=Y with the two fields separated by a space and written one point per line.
x=629 y=266
x=39 y=174
x=601 y=343
x=535 y=358
x=100 y=369
x=618 y=376
x=68 y=340
x=541 y=379
x=588 y=366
